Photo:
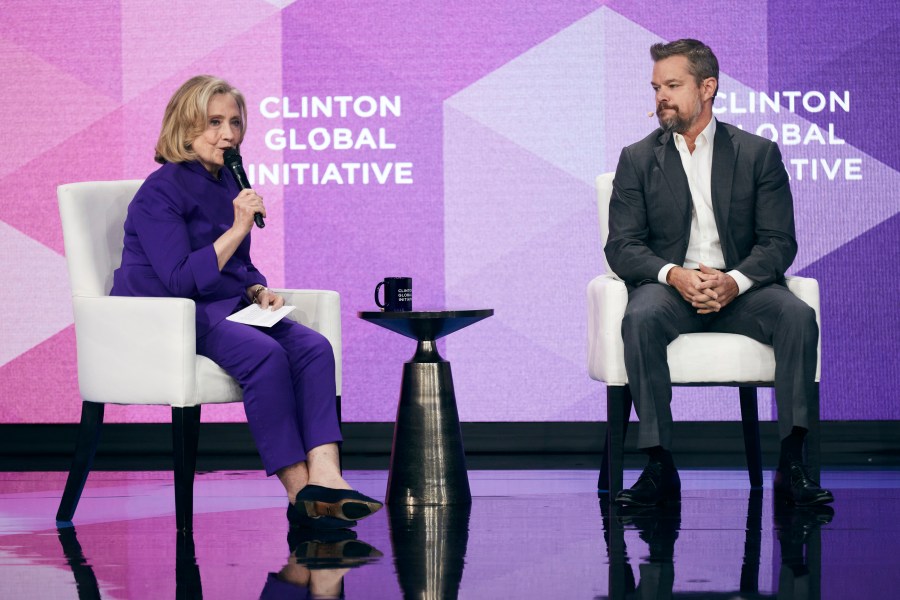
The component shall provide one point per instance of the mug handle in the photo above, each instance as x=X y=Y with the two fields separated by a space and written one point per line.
x=378 y=287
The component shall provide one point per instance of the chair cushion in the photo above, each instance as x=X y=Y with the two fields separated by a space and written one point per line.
x=720 y=358
x=214 y=385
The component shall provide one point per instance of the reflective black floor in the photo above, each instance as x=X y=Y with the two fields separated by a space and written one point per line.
x=528 y=534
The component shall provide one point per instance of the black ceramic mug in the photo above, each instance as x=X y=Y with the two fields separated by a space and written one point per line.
x=397 y=294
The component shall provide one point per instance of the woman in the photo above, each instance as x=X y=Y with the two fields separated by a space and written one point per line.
x=187 y=235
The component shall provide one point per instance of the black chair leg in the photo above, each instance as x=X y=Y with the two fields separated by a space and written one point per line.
x=750 y=423
x=752 y=543
x=618 y=410
x=603 y=478
x=621 y=583
x=85 y=579
x=814 y=438
x=185 y=434
x=188 y=584
x=85 y=449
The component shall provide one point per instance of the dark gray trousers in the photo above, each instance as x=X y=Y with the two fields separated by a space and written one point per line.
x=657 y=314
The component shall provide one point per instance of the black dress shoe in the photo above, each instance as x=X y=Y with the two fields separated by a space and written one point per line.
x=656 y=525
x=297 y=517
x=794 y=526
x=794 y=484
x=796 y=523
x=658 y=483
x=348 y=505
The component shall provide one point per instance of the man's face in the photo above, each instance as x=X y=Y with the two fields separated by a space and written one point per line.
x=679 y=100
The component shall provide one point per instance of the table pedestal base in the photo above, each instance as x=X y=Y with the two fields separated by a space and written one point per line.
x=428 y=464
x=430 y=544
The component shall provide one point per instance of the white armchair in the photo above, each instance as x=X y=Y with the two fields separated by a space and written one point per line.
x=141 y=351
x=695 y=359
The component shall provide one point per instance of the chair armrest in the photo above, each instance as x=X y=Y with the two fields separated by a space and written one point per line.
x=607 y=299
x=136 y=350
x=319 y=310
x=807 y=289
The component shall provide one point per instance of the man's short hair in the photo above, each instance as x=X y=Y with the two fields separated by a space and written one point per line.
x=186 y=114
x=702 y=63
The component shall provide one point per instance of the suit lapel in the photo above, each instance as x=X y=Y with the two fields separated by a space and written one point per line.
x=724 y=159
x=670 y=162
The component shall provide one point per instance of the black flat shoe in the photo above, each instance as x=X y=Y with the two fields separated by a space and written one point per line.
x=297 y=537
x=338 y=548
x=297 y=517
x=347 y=505
x=657 y=484
x=794 y=484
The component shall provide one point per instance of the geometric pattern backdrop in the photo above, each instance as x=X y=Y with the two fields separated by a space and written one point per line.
x=499 y=116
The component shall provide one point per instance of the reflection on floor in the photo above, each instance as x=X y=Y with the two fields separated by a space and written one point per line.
x=528 y=534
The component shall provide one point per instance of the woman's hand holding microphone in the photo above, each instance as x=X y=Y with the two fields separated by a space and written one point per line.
x=246 y=205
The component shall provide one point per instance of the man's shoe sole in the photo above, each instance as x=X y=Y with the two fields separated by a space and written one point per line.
x=787 y=496
x=625 y=501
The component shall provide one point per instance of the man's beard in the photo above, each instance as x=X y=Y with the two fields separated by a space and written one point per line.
x=676 y=123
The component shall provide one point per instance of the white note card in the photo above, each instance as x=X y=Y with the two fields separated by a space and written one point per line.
x=254 y=315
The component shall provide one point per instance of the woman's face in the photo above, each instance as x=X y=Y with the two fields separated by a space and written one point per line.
x=223 y=131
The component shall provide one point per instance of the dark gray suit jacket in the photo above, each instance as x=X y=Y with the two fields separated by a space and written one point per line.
x=650 y=209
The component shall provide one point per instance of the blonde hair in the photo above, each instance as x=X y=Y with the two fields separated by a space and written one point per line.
x=186 y=115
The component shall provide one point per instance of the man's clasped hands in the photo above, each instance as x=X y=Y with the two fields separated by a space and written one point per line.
x=708 y=290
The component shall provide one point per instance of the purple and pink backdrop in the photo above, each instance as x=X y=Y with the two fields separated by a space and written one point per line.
x=461 y=149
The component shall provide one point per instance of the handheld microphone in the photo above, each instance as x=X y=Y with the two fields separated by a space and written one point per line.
x=236 y=165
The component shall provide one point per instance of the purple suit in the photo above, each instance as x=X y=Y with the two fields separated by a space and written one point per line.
x=286 y=371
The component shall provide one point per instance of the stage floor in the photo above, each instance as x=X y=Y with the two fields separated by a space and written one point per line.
x=528 y=534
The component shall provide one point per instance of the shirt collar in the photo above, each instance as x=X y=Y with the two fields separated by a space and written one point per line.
x=708 y=134
x=197 y=167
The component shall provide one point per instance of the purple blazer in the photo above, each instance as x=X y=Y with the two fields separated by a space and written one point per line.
x=172 y=222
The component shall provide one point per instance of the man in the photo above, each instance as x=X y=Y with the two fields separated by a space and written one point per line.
x=701 y=229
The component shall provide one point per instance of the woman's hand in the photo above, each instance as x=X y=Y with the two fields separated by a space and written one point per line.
x=247 y=204
x=269 y=299
x=265 y=297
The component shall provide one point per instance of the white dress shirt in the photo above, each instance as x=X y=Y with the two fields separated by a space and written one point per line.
x=704 y=245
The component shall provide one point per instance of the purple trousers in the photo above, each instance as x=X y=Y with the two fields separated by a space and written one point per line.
x=287 y=375
x=276 y=589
